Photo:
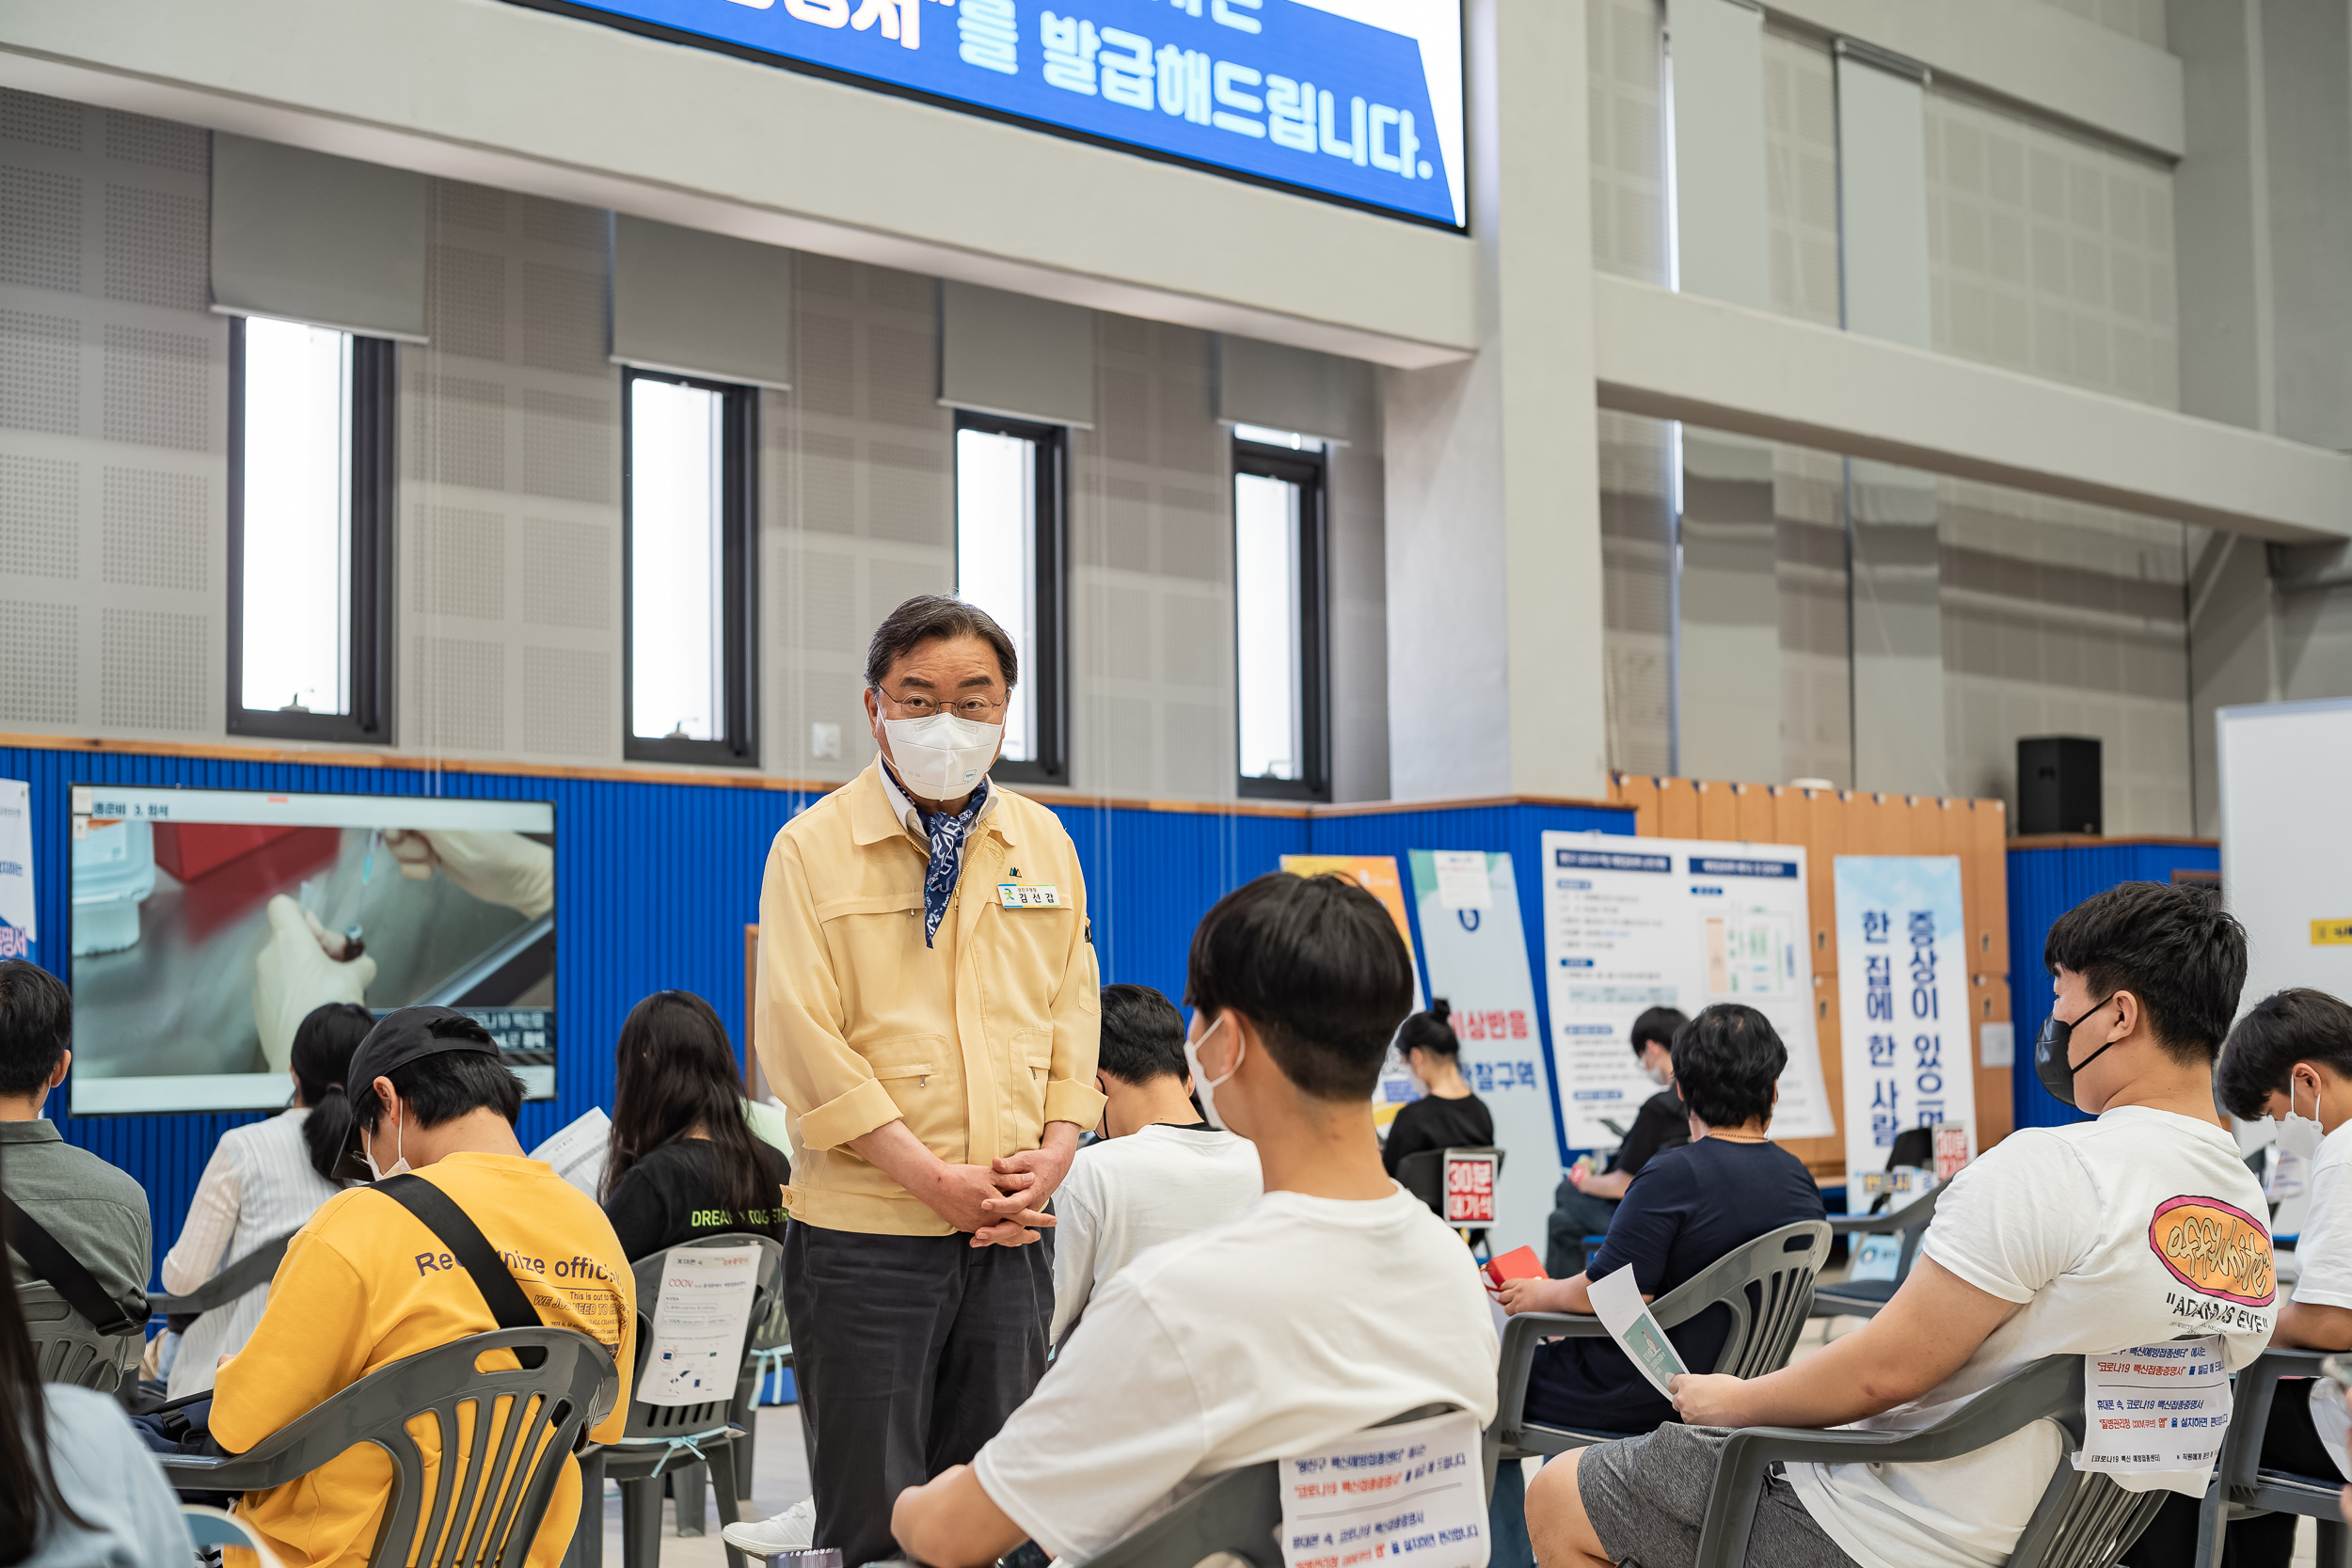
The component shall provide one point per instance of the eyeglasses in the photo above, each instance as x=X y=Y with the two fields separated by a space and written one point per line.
x=981 y=710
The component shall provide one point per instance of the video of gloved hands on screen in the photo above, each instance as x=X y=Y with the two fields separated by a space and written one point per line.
x=207 y=923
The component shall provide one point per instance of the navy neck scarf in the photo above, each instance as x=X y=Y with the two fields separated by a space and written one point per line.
x=947 y=835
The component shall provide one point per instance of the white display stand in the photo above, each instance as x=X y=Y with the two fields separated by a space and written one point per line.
x=2286 y=844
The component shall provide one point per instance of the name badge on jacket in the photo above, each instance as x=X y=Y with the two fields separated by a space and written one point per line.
x=1014 y=895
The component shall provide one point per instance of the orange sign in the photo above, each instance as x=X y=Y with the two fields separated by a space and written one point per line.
x=2215 y=1249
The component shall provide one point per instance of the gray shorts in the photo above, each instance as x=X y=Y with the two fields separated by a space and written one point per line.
x=1647 y=1497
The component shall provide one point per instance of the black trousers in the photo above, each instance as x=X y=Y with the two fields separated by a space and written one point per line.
x=910 y=1351
x=2290 y=1443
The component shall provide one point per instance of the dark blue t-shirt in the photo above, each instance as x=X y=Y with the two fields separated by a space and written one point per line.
x=1687 y=1207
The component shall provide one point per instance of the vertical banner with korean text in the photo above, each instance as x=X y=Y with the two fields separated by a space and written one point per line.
x=1468 y=903
x=1631 y=924
x=1902 y=990
x=17 y=931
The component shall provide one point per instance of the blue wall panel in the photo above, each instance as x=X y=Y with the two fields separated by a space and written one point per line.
x=2045 y=883
x=654 y=883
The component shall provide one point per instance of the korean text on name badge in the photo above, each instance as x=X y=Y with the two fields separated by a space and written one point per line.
x=1416 y=1491
x=2154 y=1414
x=1017 y=895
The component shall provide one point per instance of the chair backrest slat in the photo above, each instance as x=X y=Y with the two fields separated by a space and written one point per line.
x=1766 y=1285
x=66 y=1347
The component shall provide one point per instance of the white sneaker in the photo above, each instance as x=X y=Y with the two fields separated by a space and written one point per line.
x=790 y=1531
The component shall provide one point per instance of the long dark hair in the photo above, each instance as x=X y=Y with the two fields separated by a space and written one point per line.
x=675 y=1069
x=30 y=1503
x=323 y=1045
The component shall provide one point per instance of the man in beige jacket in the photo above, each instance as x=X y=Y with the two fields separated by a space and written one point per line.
x=927 y=1012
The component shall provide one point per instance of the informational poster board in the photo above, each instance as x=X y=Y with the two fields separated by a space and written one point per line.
x=1903 y=992
x=2286 y=851
x=1469 y=902
x=1631 y=924
x=17 y=908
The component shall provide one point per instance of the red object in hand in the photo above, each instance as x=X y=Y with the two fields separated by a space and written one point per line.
x=1520 y=1264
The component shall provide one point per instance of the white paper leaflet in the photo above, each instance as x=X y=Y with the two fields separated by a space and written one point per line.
x=577 y=1149
x=1617 y=1302
x=1415 y=1492
x=2153 y=1415
x=1462 y=881
x=699 y=1325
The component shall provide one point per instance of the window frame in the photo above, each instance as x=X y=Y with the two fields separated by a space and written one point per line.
x=739 y=528
x=1311 y=473
x=1047 y=675
x=375 y=408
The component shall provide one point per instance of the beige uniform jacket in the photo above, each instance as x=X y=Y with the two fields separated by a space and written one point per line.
x=975 y=1042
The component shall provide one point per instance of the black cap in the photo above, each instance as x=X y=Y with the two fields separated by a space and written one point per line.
x=400 y=1038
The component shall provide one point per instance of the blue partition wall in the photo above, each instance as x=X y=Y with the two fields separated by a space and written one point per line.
x=654 y=883
x=2044 y=883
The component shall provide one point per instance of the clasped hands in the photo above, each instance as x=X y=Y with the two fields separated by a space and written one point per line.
x=1001 y=1203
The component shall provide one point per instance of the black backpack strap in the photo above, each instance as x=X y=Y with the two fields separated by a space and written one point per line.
x=49 y=1262
x=439 y=1213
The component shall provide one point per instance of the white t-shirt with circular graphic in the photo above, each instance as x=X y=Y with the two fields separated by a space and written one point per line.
x=2132 y=1229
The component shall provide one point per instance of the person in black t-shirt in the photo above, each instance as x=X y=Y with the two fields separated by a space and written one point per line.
x=1585 y=1203
x=683 y=1161
x=1447 y=1115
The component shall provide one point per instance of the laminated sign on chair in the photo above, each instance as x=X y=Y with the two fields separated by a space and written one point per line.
x=2153 y=1415
x=699 y=1325
x=1416 y=1491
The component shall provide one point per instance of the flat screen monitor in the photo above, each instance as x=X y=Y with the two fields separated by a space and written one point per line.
x=207 y=923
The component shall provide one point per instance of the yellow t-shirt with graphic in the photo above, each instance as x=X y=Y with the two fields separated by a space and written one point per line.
x=365 y=1284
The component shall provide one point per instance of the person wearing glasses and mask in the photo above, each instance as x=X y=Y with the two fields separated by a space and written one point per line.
x=927 y=1012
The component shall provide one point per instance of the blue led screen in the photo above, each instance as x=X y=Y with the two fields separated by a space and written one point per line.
x=1357 y=100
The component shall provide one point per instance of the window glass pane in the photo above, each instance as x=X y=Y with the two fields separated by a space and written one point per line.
x=1265 y=437
x=296 y=464
x=996 y=558
x=677 y=625
x=1265 y=609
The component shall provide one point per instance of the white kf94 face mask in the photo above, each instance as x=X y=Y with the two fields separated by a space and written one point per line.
x=942 y=756
x=2299 y=1135
x=1203 y=1085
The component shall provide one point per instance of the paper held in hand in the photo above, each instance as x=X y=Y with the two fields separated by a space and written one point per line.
x=1416 y=1490
x=577 y=1149
x=700 y=1324
x=1617 y=1302
x=2154 y=1414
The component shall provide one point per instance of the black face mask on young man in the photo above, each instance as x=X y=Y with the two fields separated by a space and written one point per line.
x=2049 y=1054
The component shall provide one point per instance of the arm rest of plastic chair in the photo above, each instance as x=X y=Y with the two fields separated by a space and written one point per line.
x=1520 y=1336
x=2249 y=1407
x=2047 y=1388
x=1917 y=1212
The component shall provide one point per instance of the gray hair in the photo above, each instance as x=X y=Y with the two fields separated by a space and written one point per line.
x=927 y=618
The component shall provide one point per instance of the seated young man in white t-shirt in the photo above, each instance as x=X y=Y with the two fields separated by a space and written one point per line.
x=2141 y=1227
x=2289 y=1058
x=1157 y=1172
x=1335 y=1302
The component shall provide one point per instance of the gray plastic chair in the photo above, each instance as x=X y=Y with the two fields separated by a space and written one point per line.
x=2242 y=1487
x=1766 y=1285
x=649 y=1453
x=1862 y=1298
x=688 y=1481
x=67 y=1348
x=2084 y=1520
x=573 y=1386
x=258 y=1267
x=771 y=1352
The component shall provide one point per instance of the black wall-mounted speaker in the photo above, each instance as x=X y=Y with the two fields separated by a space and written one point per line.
x=2058 y=784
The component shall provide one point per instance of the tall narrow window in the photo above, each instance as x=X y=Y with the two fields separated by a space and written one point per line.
x=1008 y=554
x=310 y=498
x=689 y=482
x=1279 y=614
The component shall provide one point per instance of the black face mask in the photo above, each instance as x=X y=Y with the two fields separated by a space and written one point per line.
x=2049 y=1055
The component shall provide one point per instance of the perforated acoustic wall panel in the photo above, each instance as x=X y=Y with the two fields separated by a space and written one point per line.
x=509 y=553
x=859 y=509
x=656 y=881
x=1151 y=619
x=113 y=408
x=1623 y=63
